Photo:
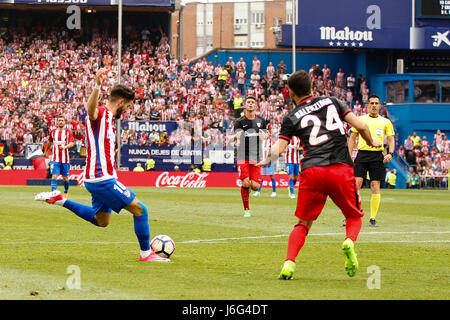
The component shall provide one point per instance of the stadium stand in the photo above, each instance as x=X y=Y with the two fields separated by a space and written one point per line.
x=431 y=161
x=45 y=72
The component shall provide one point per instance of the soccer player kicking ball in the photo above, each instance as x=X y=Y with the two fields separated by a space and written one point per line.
x=326 y=166
x=249 y=130
x=100 y=175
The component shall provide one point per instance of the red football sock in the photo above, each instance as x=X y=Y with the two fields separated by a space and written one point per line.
x=245 y=195
x=296 y=241
x=353 y=227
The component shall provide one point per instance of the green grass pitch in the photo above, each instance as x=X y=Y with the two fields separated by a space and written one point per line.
x=220 y=254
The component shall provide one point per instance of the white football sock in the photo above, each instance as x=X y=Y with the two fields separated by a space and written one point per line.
x=145 y=254
x=60 y=202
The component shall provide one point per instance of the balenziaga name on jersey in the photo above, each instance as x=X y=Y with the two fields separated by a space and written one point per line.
x=314 y=107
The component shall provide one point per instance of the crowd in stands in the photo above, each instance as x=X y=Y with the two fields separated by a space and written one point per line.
x=45 y=72
x=429 y=161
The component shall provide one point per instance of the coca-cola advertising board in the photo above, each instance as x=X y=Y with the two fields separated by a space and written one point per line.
x=159 y=179
x=173 y=179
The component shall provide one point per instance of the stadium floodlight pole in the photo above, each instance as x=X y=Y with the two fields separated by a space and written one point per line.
x=119 y=79
x=294 y=24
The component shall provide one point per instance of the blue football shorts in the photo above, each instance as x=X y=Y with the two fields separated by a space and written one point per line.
x=59 y=168
x=269 y=170
x=109 y=195
x=293 y=168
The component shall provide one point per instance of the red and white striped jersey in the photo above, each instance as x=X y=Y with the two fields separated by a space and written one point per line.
x=100 y=147
x=292 y=154
x=267 y=144
x=59 y=138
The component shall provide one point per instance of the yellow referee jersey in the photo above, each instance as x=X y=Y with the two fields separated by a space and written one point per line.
x=379 y=128
x=415 y=140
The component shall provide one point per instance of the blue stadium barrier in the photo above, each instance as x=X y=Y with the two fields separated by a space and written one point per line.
x=47 y=182
x=402 y=171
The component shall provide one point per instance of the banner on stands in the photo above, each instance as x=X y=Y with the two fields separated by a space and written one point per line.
x=149 y=126
x=132 y=154
x=159 y=179
x=222 y=156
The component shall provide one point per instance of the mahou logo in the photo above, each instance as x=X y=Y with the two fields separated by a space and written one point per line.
x=190 y=180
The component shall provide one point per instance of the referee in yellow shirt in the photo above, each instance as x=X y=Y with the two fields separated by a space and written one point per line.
x=370 y=159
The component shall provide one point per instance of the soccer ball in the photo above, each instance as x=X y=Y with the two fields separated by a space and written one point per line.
x=163 y=245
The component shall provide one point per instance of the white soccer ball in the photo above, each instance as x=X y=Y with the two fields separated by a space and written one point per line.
x=163 y=245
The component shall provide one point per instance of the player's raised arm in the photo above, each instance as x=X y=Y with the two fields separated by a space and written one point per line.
x=351 y=142
x=237 y=132
x=362 y=128
x=264 y=134
x=48 y=145
x=93 y=98
x=235 y=137
x=277 y=149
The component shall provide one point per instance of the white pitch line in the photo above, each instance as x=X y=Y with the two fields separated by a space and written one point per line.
x=314 y=242
x=234 y=238
x=319 y=234
x=66 y=242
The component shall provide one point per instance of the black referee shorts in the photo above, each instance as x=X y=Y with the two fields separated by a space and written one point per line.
x=372 y=162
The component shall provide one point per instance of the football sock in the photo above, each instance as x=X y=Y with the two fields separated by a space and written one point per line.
x=66 y=186
x=352 y=228
x=83 y=211
x=260 y=186
x=274 y=185
x=296 y=241
x=244 y=194
x=54 y=184
x=374 y=205
x=145 y=254
x=142 y=228
x=291 y=186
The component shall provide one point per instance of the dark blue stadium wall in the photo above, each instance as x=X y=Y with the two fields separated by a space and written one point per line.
x=370 y=63
x=424 y=118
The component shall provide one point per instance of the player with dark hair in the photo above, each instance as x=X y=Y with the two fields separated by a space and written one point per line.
x=326 y=166
x=60 y=141
x=100 y=176
x=250 y=130
x=369 y=159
